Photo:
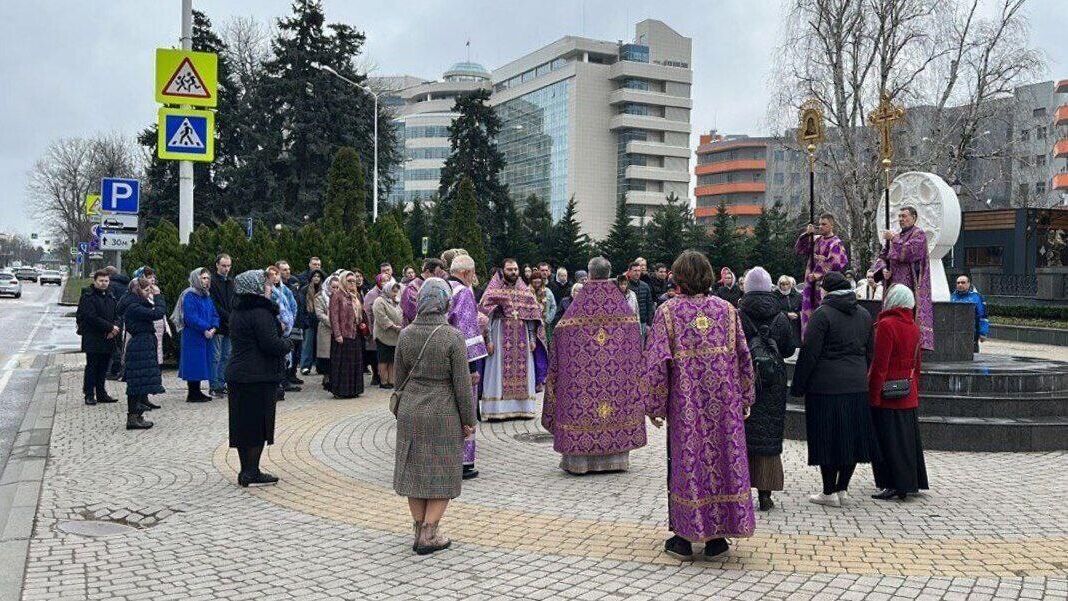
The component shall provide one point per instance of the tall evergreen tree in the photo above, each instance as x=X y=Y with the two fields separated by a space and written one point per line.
x=417 y=225
x=392 y=243
x=536 y=230
x=760 y=246
x=472 y=138
x=312 y=113
x=668 y=232
x=569 y=247
x=464 y=230
x=624 y=242
x=724 y=249
x=343 y=213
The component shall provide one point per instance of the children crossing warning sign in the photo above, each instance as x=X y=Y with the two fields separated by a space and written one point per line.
x=186 y=135
x=186 y=77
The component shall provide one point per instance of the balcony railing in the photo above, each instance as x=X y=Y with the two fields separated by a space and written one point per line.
x=1061 y=116
x=1060 y=181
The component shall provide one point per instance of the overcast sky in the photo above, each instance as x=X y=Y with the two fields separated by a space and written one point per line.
x=76 y=67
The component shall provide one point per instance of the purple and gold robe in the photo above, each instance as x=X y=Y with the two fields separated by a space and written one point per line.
x=830 y=256
x=463 y=315
x=409 y=300
x=699 y=375
x=592 y=403
x=513 y=371
x=906 y=258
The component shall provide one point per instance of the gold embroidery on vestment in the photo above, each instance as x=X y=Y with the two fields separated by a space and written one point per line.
x=602 y=337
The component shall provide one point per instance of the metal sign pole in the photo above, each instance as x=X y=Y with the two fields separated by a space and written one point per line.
x=185 y=168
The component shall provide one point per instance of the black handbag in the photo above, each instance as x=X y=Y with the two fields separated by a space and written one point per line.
x=895 y=390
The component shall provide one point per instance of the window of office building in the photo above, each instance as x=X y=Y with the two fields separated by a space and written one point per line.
x=1040 y=160
x=1040 y=187
x=636 y=84
x=635 y=53
x=634 y=108
x=534 y=141
x=1040 y=132
x=779 y=178
x=1025 y=135
x=426 y=131
x=411 y=175
x=780 y=155
x=439 y=152
x=625 y=159
x=983 y=256
x=1039 y=113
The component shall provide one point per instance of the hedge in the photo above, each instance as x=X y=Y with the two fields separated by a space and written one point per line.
x=1028 y=312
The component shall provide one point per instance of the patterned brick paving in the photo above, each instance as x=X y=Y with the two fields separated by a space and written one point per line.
x=993 y=527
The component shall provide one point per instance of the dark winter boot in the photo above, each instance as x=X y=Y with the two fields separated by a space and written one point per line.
x=134 y=421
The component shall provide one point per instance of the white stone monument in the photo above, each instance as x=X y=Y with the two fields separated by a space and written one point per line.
x=938 y=215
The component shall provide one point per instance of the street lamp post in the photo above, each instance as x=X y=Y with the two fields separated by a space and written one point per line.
x=374 y=192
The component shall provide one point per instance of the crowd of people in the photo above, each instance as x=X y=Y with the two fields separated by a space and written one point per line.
x=676 y=345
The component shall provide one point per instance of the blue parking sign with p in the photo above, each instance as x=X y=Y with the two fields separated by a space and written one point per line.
x=119 y=195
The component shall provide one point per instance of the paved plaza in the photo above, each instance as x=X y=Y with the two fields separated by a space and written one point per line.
x=158 y=515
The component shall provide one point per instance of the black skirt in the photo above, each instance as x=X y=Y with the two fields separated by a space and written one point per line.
x=346 y=367
x=252 y=413
x=839 y=429
x=385 y=352
x=900 y=466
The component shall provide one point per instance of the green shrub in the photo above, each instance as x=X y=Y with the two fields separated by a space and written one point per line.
x=1028 y=312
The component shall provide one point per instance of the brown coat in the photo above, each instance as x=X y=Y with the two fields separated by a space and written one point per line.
x=344 y=315
x=434 y=405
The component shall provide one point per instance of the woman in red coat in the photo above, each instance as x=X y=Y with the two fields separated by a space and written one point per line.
x=900 y=469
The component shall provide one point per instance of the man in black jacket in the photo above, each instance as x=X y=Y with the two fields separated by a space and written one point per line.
x=659 y=282
x=99 y=329
x=644 y=294
x=314 y=264
x=222 y=295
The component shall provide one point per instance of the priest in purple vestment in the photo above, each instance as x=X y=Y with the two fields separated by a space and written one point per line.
x=904 y=260
x=432 y=268
x=516 y=367
x=830 y=255
x=463 y=315
x=592 y=404
x=699 y=376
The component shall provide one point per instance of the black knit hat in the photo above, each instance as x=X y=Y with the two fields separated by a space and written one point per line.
x=834 y=281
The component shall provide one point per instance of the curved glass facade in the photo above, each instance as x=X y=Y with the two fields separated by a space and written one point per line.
x=534 y=142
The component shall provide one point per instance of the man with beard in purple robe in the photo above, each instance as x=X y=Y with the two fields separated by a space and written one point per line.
x=699 y=376
x=904 y=260
x=463 y=315
x=516 y=367
x=592 y=404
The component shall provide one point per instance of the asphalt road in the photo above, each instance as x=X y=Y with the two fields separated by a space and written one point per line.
x=31 y=328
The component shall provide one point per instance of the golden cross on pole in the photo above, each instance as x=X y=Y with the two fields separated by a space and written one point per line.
x=883 y=118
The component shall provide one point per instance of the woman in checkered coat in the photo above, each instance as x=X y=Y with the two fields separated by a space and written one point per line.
x=434 y=415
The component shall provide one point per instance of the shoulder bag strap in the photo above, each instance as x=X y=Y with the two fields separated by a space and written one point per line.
x=417 y=359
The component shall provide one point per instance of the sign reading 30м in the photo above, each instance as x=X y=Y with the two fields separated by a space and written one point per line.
x=186 y=77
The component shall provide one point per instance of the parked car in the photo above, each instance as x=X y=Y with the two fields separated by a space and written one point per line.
x=9 y=284
x=50 y=276
x=27 y=273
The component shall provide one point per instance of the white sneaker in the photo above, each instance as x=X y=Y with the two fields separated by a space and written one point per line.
x=830 y=500
x=843 y=497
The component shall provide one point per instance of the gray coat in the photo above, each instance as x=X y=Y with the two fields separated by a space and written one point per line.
x=435 y=404
x=323 y=335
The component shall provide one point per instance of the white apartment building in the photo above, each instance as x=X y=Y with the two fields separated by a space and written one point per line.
x=592 y=119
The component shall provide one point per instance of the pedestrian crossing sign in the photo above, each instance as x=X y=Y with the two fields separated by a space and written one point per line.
x=186 y=77
x=186 y=135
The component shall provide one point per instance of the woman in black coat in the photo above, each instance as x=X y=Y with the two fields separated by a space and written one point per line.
x=139 y=309
x=832 y=375
x=257 y=366
x=766 y=326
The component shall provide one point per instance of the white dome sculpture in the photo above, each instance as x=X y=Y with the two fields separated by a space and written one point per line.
x=938 y=215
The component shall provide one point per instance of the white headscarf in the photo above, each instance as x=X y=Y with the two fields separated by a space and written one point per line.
x=899 y=296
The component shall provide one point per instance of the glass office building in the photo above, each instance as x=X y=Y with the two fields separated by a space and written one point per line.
x=534 y=142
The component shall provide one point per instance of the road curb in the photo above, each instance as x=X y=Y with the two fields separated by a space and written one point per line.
x=20 y=483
